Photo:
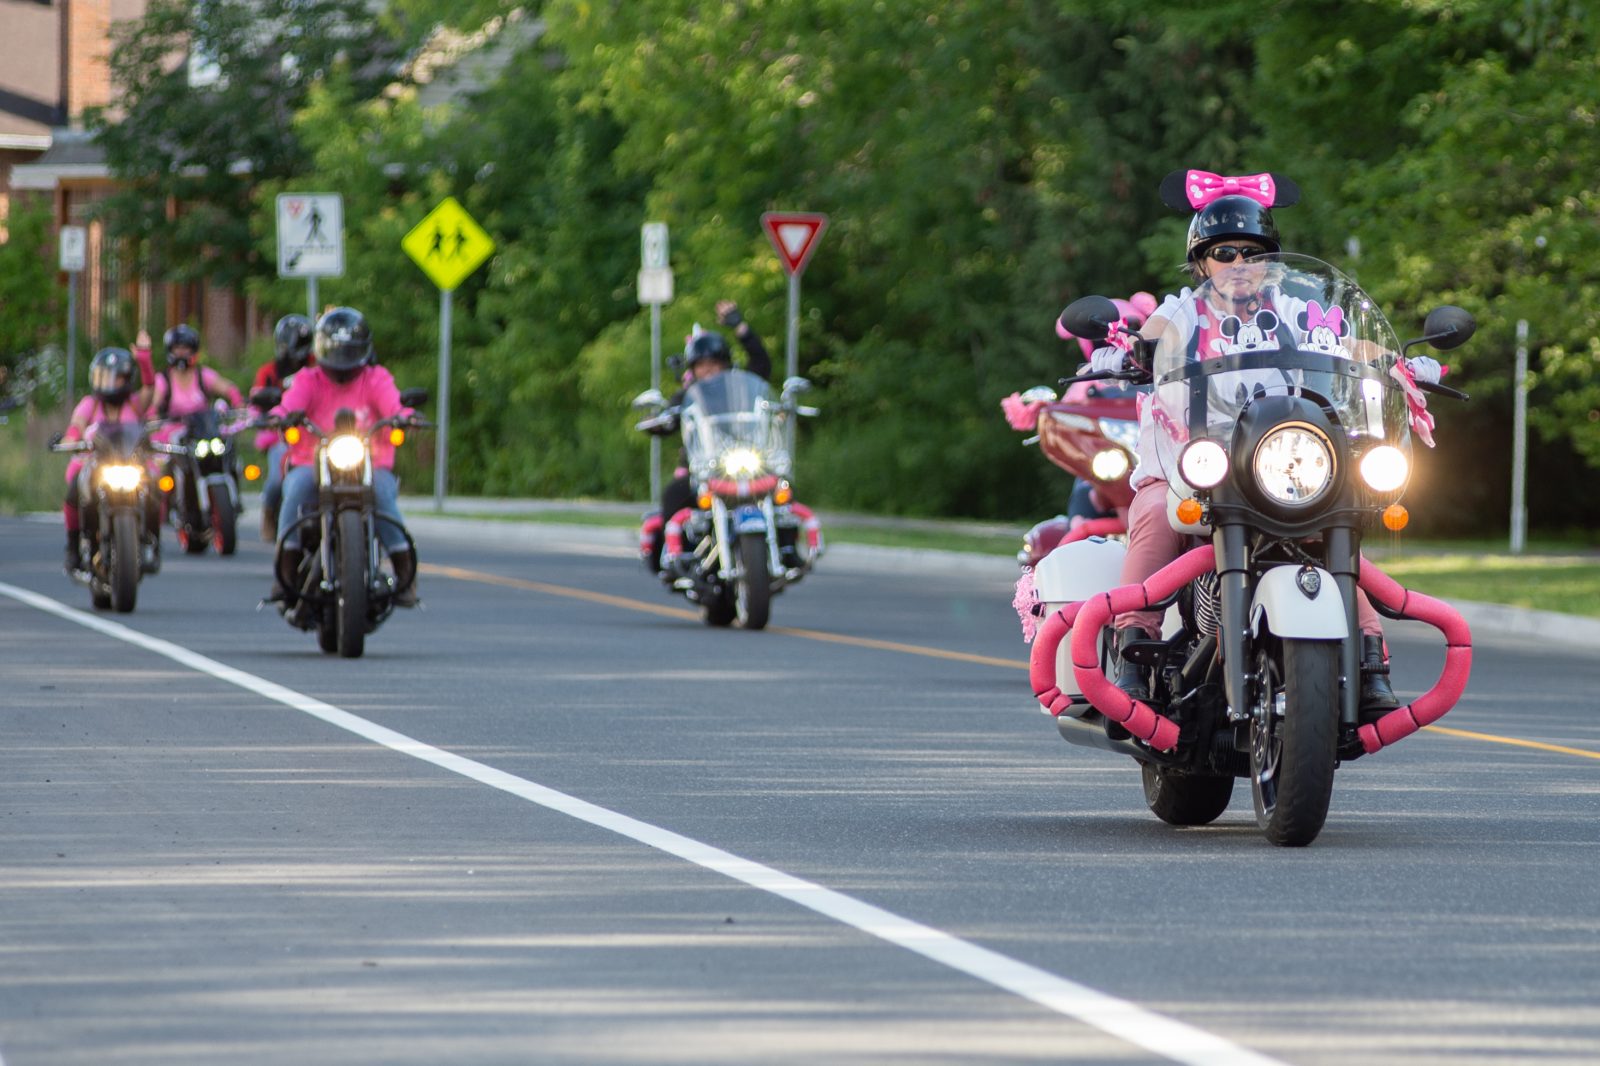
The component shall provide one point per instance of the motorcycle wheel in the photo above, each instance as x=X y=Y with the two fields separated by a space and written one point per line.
x=717 y=610
x=752 y=596
x=123 y=564
x=1185 y=799
x=224 y=521
x=351 y=607
x=1294 y=739
x=328 y=631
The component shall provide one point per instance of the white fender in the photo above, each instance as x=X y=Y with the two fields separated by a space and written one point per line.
x=1290 y=612
x=1071 y=573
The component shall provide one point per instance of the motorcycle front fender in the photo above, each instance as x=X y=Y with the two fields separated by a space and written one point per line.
x=1299 y=602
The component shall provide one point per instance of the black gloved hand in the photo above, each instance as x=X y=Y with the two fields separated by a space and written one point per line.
x=731 y=318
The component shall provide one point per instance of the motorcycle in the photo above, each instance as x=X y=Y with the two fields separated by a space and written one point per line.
x=741 y=544
x=201 y=484
x=118 y=537
x=1091 y=432
x=343 y=587
x=1281 y=443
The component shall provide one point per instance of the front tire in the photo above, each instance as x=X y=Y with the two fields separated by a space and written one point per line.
x=351 y=607
x=752 y=595
x=1185 y=799
x=224 y=521
x=1294 y=738
x=123 y=565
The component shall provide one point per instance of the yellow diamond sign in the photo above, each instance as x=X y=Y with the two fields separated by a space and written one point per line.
x=448 y=245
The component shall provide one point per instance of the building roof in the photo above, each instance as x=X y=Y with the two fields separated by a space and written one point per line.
x=72 y=154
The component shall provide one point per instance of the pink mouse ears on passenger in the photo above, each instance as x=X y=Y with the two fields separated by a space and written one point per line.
x=1191 y=190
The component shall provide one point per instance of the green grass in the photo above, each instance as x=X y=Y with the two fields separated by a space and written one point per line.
x=32 y=478
x=1569 y=584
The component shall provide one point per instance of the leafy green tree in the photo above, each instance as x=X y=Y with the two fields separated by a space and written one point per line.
x=27 y=283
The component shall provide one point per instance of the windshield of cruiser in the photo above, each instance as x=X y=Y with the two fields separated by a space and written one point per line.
x=732 y=410
x=1276 y=324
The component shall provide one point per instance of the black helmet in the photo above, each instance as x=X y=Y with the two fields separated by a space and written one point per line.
x=1231 y=216
x=291 y=342
x=705 y=346
x=343 y=343
x=113 y=375
x=181 y=336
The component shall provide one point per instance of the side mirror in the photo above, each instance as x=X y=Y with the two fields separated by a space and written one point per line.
x=649 y=398
x=1449 y=327
x=265 y=399
x=794 y=385
x=415 y=397
x=1090 y=317
x=1039 y=394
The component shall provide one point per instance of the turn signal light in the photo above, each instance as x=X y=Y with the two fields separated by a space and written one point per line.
x=166 y=483
x=783 y=494
x=252 y=472
x=1189 y=512
x=397 y=436
x=292 y=434
x=704 y=501
x=1395 y=517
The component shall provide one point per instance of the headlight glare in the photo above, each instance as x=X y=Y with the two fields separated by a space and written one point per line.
x=345 y=452
x=202 y=448
x=1385 y=468
x=121 y=477
x=1203 y=464
x=1111 y=464
x=1294 y=464
x=741 y=462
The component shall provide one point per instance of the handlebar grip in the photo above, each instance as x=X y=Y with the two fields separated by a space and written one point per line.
x=1443 y=390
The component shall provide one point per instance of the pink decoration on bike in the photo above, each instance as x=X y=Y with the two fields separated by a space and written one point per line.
x=1446 y=692
x=1203 y=187
x=1094 y=527
x=1333 y=318
x=1019 y=415
x=1025 y=601
x=1416 y=402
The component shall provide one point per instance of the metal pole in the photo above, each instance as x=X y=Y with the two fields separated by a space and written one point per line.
x=655 y=383
x=311 y=297
x=792 y=348
x=72 y=338
x=443 y=436
x=1519 y=445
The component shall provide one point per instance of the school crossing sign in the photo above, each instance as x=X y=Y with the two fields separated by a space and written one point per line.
x=447 y=244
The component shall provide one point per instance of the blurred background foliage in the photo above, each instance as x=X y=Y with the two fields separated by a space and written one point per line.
x=983 y=162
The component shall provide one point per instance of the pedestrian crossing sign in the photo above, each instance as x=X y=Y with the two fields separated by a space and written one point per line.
x=447 y=244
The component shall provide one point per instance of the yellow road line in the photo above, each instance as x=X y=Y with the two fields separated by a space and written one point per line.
x=462 y=574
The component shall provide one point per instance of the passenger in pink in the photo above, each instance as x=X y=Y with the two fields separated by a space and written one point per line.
x=344 y=377
x=113 y=380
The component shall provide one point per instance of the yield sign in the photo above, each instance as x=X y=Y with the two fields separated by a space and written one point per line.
x=794 y=234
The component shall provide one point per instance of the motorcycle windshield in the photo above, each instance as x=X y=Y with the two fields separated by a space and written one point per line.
x=1275 y=325
x=727 y=417
x=118 y=438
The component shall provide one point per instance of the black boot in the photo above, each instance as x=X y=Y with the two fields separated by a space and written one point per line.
x=287 y=561
x=1377 y=698
x=74 y=559
x=405 y=578
x=1132 y=678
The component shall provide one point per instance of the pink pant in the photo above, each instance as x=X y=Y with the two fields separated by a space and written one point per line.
x=1153 y=543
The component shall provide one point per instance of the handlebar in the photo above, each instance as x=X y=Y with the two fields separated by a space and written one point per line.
x=1443 y=390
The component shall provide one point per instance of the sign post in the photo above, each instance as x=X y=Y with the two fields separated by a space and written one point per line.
x=310 y=239
x=448 y=245
x=655 y=289
x=1519 y=445
x=794 y=234
x=74 y=257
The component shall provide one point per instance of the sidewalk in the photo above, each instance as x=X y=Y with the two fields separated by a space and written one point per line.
x=1570 y=630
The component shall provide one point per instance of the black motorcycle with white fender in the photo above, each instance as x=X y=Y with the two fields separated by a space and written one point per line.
x=341 y=584
x=1283 y=432
x=202 y=483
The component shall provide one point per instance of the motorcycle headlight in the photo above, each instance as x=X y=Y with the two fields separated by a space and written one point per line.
x=1110 y=464
x=1385 y=468
x=216 y=446
x=1203 y=464
x=741 y=462
x=1294 y=464
x=120 y=477
x=346 y=452
x=202 y=448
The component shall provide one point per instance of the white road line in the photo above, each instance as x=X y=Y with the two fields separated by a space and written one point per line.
x=1160 y=1035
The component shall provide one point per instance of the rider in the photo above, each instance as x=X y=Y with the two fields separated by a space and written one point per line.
x=113 y=381
x=705 y=355
x=291 y=341
x=344 y=377
x=1232 y=224
x=185 y=387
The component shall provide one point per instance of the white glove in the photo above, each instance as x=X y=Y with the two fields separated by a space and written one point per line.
x=1107 y=360
x=1425 y=369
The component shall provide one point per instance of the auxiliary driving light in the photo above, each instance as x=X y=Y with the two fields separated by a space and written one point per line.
x=1385 y=468
x=1203 y=464
x=1110 y=465
x=252 y=472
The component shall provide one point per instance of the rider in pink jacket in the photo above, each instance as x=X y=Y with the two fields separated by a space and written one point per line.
x=345 y=378
x=113 y=382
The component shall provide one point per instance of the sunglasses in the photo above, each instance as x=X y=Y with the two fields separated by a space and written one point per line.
x=1227 y=253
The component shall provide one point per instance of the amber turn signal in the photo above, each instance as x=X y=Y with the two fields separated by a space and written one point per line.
x=1395 y=517
x=704 y=501
x=166 y=483
x=1189 y=512
x=783 y=494
x=252 y=472
x=292 y=434
x=397 y=436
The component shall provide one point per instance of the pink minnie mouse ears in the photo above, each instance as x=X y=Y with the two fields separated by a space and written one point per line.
x=1191 y=190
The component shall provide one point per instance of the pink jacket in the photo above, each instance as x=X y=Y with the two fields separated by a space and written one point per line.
x=371 y=394
x=187 y=400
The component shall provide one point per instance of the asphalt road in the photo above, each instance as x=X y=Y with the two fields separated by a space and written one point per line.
x=552 y=818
